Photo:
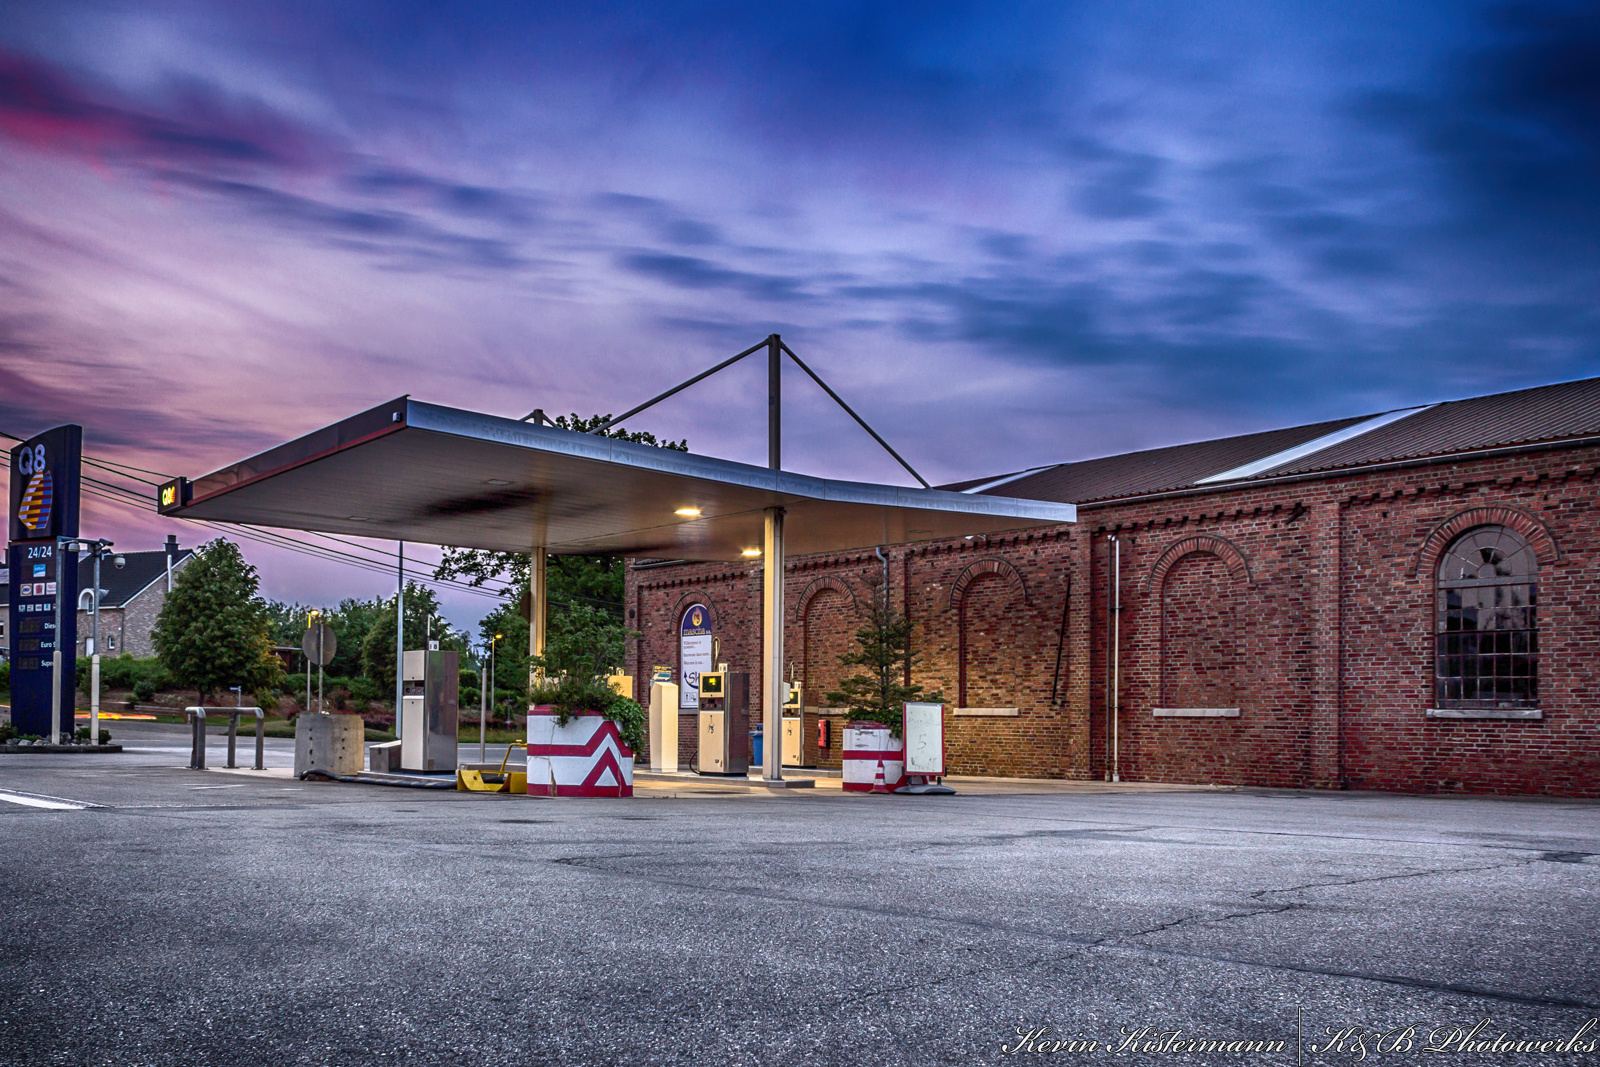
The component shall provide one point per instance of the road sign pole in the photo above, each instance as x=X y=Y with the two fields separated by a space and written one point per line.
x=399 y=634
x=55 y=659
x=55 y=695
x=94 y=657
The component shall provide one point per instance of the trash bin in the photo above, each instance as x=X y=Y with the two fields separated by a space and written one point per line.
x=755 y=747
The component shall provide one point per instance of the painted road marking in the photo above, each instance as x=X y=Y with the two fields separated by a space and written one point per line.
x=240 y=786
x=39 y=800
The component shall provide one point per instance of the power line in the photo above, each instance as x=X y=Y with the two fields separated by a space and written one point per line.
x=119 y=494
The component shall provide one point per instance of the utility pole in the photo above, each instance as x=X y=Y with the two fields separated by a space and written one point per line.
x=399 y=639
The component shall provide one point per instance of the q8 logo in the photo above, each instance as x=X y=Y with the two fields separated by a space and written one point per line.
x=30 y=460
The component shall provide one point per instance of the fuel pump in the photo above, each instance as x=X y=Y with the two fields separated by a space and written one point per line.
x=794 y=732
x=429 y=711
x=724 y=722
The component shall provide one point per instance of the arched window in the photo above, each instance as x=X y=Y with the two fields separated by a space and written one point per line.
x=1487 y=647
x=86 y=600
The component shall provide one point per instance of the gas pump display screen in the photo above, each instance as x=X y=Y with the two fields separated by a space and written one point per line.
x=711 y=686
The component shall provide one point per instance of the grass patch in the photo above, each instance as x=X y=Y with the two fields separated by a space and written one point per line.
x=496 y=736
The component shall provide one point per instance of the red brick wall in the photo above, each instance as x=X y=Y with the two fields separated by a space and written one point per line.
x=1199 y=648
x=1326 y=587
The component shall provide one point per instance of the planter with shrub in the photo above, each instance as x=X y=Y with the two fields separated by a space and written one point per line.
x=582 y=733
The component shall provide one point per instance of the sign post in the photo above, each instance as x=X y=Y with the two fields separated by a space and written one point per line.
x=45 y=472
x=320 y=644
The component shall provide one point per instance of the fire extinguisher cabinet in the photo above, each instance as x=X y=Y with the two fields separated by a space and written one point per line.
x=873 y=759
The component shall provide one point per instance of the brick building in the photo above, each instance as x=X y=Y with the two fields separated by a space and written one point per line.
x=130 y=599
x=1402 y=602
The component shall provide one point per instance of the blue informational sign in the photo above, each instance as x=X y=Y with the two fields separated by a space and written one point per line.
x=44 y=476
x=35 y=590
x=694 y=653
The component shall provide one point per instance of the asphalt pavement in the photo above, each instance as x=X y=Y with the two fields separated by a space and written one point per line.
x=157 y=915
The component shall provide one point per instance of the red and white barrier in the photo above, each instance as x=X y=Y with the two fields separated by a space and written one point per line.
x=585 y=758
x=874 y=760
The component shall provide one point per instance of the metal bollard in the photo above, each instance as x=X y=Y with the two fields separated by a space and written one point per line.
x=197 y=754
x=233 y=733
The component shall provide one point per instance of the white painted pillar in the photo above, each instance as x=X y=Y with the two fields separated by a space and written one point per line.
x=772 y=646
x=536 y=601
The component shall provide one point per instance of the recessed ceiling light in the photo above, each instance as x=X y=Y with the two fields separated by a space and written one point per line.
x=751 y=552
x=688 y=513
x=495 y=481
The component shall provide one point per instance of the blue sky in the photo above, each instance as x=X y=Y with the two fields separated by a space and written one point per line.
x=1009 y=234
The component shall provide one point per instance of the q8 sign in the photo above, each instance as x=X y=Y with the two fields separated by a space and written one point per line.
x=44 y=506
x=44 y=485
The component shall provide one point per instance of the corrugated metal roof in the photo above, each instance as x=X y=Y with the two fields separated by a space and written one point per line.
x=1157 y=469
x=1547 y=413
x=1527 y=416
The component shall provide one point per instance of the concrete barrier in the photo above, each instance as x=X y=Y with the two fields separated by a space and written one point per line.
x=331 y=743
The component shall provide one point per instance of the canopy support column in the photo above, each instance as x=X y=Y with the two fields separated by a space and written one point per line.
x=536 y=601
x=772 y=647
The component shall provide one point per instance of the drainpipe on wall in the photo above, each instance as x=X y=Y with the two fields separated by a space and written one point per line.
x=885 y=561
x=1114 y=639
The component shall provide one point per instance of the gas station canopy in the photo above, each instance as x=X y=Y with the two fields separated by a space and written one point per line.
x=420 y=472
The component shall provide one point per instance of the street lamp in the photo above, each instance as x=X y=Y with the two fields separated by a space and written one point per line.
x=97 y=550
x=485 y=687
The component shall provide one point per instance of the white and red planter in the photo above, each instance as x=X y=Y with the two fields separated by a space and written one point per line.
x=874 y=760
x=584 y=758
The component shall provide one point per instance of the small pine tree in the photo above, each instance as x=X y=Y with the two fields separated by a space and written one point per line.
x=883 y=647
x=213 y=631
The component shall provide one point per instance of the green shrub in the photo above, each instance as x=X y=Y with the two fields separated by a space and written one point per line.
x=144 y=690
x=5 y=676
x=116 y=672
x=571 y=695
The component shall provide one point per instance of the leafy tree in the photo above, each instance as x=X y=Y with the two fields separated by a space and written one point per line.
x=580 y=653
x=510 y=651
x=583 y=643
x=350 y=622
x=422 y=618
x=287 y=622
x=883 y=647
x=214 y=631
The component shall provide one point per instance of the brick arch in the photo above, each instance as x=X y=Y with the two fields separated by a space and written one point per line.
x=1227 y=551
x=683 y=604
x=817 y=585
x=1525 y=523
x=980 y=568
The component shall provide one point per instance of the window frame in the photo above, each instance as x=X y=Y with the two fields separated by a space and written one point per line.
x=1505 y=651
